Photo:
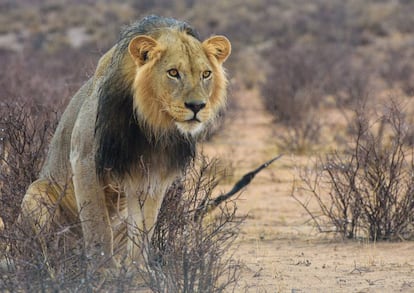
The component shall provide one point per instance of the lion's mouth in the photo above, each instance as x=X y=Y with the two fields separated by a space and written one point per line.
x=194 y=120
x=190 y=126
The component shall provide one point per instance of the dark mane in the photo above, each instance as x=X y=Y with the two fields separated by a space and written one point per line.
x=121 y=144
x=152 y=26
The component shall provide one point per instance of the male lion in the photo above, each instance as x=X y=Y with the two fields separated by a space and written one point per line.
x=128 y=133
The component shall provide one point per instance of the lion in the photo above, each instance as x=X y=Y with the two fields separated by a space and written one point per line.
x=128 y=133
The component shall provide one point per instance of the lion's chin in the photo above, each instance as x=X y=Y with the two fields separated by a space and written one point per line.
x=190 y=127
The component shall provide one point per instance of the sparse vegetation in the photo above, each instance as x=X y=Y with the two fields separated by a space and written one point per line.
x=367 y=191
x=293 y=94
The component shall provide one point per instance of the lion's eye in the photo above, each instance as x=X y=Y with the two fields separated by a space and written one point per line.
x=206 y=74
x=173 y=73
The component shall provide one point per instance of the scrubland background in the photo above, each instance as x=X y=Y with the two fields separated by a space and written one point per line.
x=328 y=83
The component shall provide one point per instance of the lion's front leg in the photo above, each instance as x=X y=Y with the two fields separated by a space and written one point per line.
x=142 y=216
x=93 y=214
x=89 y=192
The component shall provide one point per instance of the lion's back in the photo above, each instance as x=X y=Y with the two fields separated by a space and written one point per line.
x=57 y=164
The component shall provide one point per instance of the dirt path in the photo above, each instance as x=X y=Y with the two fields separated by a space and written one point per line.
x=280 y=250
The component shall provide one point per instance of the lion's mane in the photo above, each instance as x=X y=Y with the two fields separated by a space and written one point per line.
x=121 y=140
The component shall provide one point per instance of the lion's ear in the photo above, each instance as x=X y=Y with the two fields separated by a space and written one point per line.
x=219 y=47
x=140 y=49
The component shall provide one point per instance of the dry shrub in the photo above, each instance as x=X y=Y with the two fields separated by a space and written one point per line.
x=294 y=90
x=370 y=187
x=301 y=79
x=38 y=77
x=190 y=253
x=25 y=131
x=398 y=69
x=294 y=85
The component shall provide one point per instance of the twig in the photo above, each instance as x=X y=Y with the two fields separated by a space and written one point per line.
x=207 y=206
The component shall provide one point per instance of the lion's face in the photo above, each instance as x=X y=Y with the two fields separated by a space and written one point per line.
x=179 y=82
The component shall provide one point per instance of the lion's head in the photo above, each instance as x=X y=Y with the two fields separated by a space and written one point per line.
x=163 y=84
x=179 y=81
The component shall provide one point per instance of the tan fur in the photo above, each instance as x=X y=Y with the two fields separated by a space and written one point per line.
x=127 y=204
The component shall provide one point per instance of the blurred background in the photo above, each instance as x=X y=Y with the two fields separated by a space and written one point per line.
x=314 y=65
x=49 y=47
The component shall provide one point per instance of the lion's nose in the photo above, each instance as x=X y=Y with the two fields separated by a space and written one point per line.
x=195 y=106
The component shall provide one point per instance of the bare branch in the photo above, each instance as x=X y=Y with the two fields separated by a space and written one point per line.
x=207 y=206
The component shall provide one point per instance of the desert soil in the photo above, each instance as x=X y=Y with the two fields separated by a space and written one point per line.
x=278 y=246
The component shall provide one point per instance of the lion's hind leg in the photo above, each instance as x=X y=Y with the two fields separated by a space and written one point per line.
x=39 y=206
x=41 y=212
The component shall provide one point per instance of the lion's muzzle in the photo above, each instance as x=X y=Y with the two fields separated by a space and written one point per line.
x=195 y=107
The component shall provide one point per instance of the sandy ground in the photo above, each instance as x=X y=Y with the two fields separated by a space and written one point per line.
x=279 y=248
